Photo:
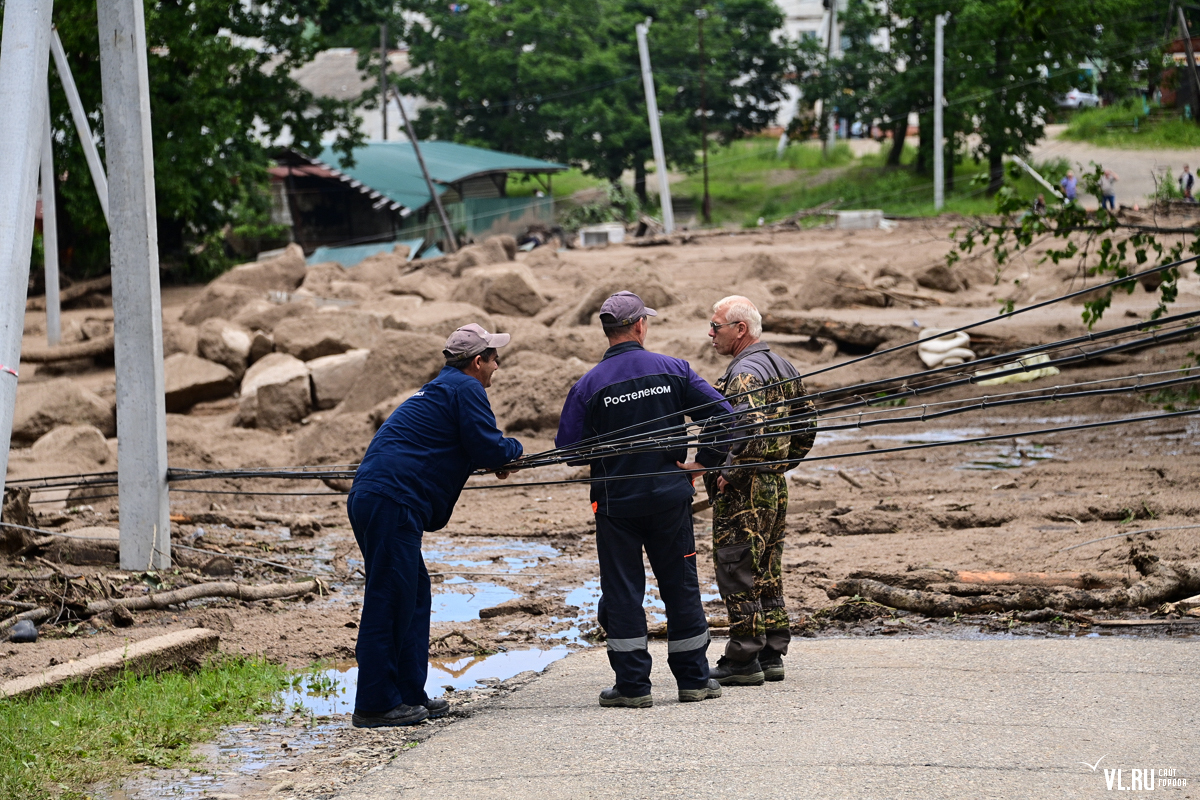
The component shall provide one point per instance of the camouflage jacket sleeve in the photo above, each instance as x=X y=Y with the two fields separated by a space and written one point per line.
x=763 y=411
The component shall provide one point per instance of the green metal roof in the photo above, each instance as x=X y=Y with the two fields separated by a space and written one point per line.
x=391 y=169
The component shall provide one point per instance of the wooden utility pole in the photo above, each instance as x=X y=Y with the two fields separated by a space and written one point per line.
x=383 y=86
x=451 y=244
x=1191 y=59
x=706 y=204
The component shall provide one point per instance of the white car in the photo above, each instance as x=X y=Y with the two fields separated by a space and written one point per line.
x=1079 y=99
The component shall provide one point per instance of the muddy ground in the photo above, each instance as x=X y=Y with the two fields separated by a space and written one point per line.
x=1011 y=506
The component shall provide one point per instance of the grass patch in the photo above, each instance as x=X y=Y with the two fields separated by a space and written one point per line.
x=562 y=184
x=747 y=181
x=57 y=744
x=1112 y=126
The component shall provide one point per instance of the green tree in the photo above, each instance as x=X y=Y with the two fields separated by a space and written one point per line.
x=220 y=96
x=564 y=82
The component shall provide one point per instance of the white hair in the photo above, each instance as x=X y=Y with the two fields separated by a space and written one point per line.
x=740 y=309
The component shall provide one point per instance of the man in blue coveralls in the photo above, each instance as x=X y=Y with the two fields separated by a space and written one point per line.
x=407 y=483
x=633 y=387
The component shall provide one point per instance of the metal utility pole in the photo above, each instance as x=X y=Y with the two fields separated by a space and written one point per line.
x=706 y=204
x=1191 y=59
x=832 y=52
x=137 y=306
x=82 y=128
x=383 y=86
x=939 y=147
x=24 y=60
x=451 y=245
x=50 y=234
x=660 y=158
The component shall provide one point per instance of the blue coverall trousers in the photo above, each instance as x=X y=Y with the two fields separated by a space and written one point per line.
x=393 y=635
x=670 y=544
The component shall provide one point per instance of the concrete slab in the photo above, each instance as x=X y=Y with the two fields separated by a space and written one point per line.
x=867 y=718
x=145 y=656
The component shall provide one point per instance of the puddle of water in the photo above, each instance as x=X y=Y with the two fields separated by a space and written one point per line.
x=465 y=606
x=330 y=692
x=450 y=553
x=587 y=596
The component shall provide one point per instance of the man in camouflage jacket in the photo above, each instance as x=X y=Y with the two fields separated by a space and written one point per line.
x=750 y=502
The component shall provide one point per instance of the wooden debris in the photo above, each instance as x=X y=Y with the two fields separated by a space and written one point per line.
x=857 y=335
x=69 y=352
x=1160 y=582
x=924 y=578
x=72 y=292
x=850 y=479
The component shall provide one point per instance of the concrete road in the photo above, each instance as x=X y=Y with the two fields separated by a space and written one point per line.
x=856 y=718
x=1134 y=168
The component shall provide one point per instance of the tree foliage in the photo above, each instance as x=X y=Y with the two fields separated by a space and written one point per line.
x=220 y=95
x=563 y=82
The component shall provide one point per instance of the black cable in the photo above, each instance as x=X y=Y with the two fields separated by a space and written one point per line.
x=579 y=454
x=884 y=451
x=905 y=345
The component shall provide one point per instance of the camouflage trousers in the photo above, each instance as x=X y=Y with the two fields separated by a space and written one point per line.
x=748 y=530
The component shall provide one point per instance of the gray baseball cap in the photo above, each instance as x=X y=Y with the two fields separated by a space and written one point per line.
x=471 y=340
x=624 y=308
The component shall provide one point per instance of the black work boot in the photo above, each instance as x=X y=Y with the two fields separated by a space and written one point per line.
x=611 y=698
x=713 y=689
x=772 y=664
x=738 y=673
x=399 y=716
x=437 y=707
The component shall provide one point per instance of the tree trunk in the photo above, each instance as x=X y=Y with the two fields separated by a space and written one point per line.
x=949 y=162
x=899 y=132
x=639 y=180
x=924 y=147
x=995 y=173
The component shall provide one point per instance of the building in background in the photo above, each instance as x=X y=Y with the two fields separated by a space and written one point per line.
x=383 y=197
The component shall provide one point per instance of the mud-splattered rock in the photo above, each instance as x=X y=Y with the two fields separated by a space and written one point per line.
x=334 y=376
x=190 y=379
x=501 y=289
x=42 y=407
x=326 y=333
x=72 y=443
x=226 y=344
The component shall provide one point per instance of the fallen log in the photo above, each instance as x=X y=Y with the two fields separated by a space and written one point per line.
x=69 y=352
x=1160 y=583
x=229 y=589
x=925 y=578
x=72 y=292
x=857 y=335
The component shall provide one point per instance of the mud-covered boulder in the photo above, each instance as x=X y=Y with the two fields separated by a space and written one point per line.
x=489 y=251
x=288 y=396
x=441 y=319
x=260 y=345
x=424 y=284
x=586 y=344
x=391 y=310
x=222 y=300
x=42 y=407
x=225 y=343
x=334 y=376
x=530 y=394
x=262 y=315
x=401 y=360
x=326 y=333
x=942 y=278
x=331 y=280
x=832 y=287
x=340 y=439
x=501 y=289
x=379 y=270
x=280 y=274
x=190 y=379
x=180 y=338
x=82 y=444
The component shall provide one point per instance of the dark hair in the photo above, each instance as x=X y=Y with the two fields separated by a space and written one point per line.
x=613 y=330
x=464 y=362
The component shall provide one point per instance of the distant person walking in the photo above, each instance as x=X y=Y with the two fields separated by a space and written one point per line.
x=1108 y=190
x=1187 y=181
x=1069 y=186
x=1039 y=206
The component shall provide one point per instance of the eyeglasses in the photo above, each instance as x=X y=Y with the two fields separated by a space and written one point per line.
x=715 y=327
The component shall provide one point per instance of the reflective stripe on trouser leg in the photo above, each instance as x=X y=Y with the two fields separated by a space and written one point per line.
x=627 y=645
x=684 y=645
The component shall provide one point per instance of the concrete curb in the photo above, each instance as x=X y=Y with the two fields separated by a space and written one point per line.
x=143 y=657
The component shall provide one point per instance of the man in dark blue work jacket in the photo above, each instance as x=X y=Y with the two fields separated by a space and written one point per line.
x=631 y=386
x=407 y=483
